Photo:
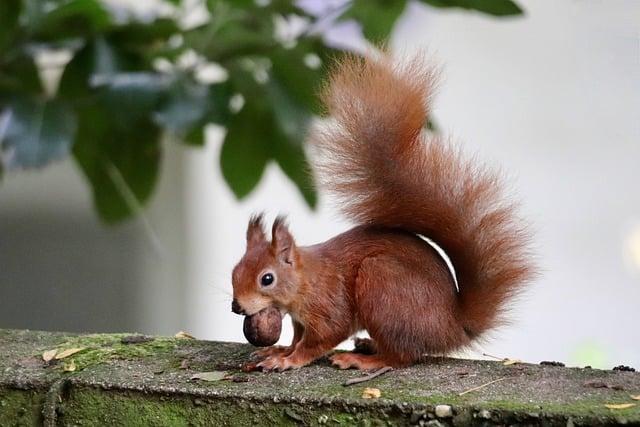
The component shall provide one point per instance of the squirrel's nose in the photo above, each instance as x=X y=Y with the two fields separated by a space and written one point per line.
x=235 y=307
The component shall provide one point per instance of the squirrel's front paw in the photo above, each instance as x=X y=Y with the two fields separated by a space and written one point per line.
x=278 y=363
x=274 y=350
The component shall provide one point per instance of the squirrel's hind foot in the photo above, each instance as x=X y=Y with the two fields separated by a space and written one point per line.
x=358 y=361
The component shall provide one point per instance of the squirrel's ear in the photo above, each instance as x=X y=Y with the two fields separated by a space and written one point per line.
x=255 y=230
x=282 y=242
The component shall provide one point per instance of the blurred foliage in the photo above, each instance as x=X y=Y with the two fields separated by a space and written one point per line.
x=128 y=79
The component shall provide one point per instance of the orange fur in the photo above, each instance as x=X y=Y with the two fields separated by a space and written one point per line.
x=396 y=182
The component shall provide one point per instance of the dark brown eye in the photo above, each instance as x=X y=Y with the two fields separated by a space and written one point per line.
x=266 y=279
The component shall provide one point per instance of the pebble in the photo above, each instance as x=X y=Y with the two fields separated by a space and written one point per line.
x=484 y=414
x=416 y=416
x=444 y=411
x=551 y=363
x=624 y=368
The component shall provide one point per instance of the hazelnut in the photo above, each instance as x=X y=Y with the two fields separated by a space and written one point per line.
x=263 y=328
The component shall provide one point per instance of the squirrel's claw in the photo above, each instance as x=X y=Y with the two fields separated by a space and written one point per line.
x=274 y=363
x=278 y=363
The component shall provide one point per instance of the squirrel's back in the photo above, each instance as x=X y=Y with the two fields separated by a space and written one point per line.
x=375 y=155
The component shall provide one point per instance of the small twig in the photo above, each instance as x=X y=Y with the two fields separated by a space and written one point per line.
x=483 y=385
x=494 y=357
x=369 y=377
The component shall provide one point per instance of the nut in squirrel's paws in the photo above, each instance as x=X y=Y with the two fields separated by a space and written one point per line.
x=263 y=328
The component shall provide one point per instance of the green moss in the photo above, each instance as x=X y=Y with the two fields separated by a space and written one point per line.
x=99 y=348
x=589 y=410
x=580 y=408
x=90 y=406
x=20 y=407
x=342 y=419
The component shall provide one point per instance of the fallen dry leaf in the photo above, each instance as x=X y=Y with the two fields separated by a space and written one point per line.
x=600 y=384
x=371 y=393
x=209 y=376
x=184 y=335
x=620 y=405
x=48 y=355
x=635 y=396
x=70 y=367
x=68 y=352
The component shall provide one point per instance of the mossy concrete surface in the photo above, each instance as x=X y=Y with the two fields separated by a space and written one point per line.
x=120 y=379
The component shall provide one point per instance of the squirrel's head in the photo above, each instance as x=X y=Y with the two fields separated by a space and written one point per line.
x=267 y=273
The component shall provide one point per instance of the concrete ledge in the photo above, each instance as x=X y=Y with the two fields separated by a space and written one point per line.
x=119 y=382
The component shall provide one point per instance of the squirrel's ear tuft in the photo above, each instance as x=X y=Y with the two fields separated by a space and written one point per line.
x=255 y=230
x=282 y=242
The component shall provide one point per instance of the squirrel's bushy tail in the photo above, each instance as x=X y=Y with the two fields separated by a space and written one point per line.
x=375 y=156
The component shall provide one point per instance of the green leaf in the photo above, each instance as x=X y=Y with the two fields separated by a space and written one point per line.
x=233 y=32
x=131 y=96
x=98 y=71
x=292 y=159
x=214 y=5
x=141 y=34
x=9 y=13
x=219 y=97
x=246 y=149
x=377 y=17
x=19 y=77
x=273 y=126
x=75 y=18
x=97 y=57
x=491 y=7
x=183 y=106
x=121 y=164
x=255 y=7
x=300 y=80
x=190 y=122
x=292 y=121
x=38 y=132
x=195 y=137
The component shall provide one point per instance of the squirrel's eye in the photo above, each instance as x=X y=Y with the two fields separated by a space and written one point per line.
x=266 y=279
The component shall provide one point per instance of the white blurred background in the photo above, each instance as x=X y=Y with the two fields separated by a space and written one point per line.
x=553 y=98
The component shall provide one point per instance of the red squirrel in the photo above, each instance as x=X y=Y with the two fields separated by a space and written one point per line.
x=397 y=182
